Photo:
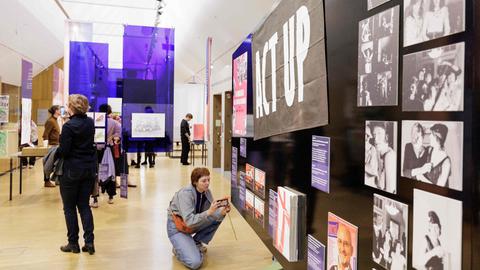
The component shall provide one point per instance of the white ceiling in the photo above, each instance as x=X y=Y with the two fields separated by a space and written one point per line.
x=34 y=29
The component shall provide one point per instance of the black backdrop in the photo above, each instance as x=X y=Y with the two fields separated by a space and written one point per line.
x=286 y=158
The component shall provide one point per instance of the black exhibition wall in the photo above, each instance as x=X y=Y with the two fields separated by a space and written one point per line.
x=286 y=158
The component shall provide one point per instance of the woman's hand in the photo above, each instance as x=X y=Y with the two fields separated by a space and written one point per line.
x=213 y=208
x=225 y=210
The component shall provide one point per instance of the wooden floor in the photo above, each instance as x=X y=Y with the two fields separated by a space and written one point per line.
x=130 y=234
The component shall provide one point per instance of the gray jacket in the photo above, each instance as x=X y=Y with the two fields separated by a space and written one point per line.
x=183 y=204
x=52 y=164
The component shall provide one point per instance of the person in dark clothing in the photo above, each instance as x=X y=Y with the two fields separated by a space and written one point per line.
x=186 y=139
x=79 y=170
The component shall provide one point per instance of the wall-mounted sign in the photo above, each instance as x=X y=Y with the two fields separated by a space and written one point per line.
x=289 y=69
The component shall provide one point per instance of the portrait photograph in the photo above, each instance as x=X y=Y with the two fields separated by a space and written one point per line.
x=437 y=232
x=432 y=152
x=433 y=80
x=342 y=244
x=425 y=20
x=381 y=155
x=390 y=228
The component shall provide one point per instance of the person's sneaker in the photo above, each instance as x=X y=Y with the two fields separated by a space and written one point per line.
x=94 y=205
x=201 y=247
x=133 y=163
x=137 y=166
x=74 y=248
x=49 y=184
x=144 y=163
x=186 y=163
x=90 y=248
x=152 y=165
x=110 y=201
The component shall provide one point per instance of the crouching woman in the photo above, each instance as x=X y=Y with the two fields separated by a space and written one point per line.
x=193 y=219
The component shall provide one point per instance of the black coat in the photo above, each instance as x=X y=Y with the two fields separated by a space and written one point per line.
x=76 y=143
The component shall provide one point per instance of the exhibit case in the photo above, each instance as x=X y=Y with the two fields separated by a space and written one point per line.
x=370 y=108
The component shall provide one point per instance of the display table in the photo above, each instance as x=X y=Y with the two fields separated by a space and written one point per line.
x=203 y=149
x=28 y=152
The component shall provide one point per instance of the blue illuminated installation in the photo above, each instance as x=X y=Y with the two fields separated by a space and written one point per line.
x=146 y=79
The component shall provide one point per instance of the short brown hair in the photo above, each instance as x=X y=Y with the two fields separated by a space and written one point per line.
x=78 y=103
x=198 y=173
x=189 y=115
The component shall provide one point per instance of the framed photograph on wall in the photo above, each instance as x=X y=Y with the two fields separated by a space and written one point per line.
x=375 y=3
x=381 y=155
x=432 y=152
x=390 y=233
x=425 y=20
x=433 y=80
x=378 y=38
x=437 y=232
x=342 y=243
x=148 y=125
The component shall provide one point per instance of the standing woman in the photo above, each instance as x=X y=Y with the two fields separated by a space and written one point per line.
x=52 y=129
x=79 y=169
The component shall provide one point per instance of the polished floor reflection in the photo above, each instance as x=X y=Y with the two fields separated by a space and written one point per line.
x=129 y=234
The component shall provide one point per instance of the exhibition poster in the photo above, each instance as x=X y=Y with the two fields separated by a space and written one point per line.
x=378 y=42
x=148 y=125
x=290 y=69
x=116 y=105
x=100 y=119
x=26 y=119
x=428 y=20
x=390 y=233
x=259 y=186
x=243 y=147
x=3 y=143
x=259 y=210
x=249 y=175
x=381 y=155
x=233 y=179
x=342 y=244
x=91 y=115
x=437 y=231
x=99 y=135
x=321 y=163
x=432 y=152
x=242 y=191
x=316 y=254
x=239 y=115
x=4 y=108
x=272 y=213
x=198 y=132
x=58 y=93
x=27 y=75
x=434 y=79
x=249 y=202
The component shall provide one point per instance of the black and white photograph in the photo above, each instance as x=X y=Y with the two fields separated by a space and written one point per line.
x=431 y=19
x=390 y=228
x=378 y=42
x=375 y=3
x=437 y=232
x=380 y=155
x=432 y=152
x=433 y=80
x=148 y=125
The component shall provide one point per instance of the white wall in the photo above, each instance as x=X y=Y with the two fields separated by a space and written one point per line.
x=188 y=98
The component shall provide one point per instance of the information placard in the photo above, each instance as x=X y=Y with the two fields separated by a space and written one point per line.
x=321 y=163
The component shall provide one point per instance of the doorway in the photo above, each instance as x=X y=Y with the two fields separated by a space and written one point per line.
x=227 y=140
x=217 y=131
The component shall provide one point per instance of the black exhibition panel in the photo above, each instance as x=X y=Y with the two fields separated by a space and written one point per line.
x=286 y=158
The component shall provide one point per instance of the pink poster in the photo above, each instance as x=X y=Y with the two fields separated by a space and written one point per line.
x=240 y=95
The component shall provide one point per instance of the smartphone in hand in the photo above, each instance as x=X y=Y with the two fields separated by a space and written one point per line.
x=223 y=202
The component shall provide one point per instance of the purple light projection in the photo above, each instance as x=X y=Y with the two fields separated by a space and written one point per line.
x=145 y=80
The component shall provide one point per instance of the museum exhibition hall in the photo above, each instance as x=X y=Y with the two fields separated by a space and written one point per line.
x=256 y=134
